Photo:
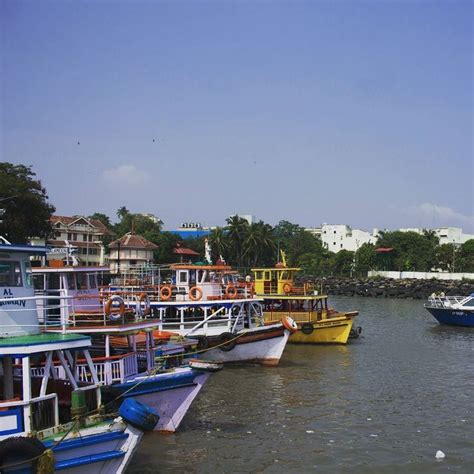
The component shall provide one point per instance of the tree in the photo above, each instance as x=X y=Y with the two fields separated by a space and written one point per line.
x=302 y=242
x=237 y=229
x=219 y=244
x=343 y=263
x=259 y=244
x=465 y=257
x=25 y=210
x=365 y=259
x=445 y=257
x=412 y=251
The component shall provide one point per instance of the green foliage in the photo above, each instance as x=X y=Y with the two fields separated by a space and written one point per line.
x=465 y=257
x=343 y=263
x=365 y=259
x=445 y=257
x=412 y=251
x=24 y=204
x=134 y=222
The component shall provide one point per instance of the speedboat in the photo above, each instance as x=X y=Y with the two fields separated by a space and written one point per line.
x=452 y=310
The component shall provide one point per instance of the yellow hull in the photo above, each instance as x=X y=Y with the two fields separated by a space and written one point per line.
x=327 y=331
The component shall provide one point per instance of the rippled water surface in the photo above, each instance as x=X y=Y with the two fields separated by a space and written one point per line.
x=382 y=404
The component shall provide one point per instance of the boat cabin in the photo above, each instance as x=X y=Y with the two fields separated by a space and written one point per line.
x=30 y=399
x=274 y=281
x=206 y=282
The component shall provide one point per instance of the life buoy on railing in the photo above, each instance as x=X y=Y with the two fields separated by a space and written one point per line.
x=290 y=324
x=231 y=291
x=195 y=293
x=166 y=292
x=307 y=328
x=109 y=305
x=144 y=310
x=287 y=288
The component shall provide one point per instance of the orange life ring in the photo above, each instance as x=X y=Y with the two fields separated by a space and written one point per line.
x=231 y=291
x=287 y=288
x=108 y=307
x=143 y=298
x=195 y=293
x=166 y=292
x=290 y=324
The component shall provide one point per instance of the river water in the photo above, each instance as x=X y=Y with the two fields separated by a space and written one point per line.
x=382 y=404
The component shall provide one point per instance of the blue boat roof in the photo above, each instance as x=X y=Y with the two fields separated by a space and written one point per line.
x=29 y=249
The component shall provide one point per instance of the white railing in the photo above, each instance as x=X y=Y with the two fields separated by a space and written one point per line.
x=454 y=302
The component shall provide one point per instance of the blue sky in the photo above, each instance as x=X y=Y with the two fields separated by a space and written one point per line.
x=355 y=112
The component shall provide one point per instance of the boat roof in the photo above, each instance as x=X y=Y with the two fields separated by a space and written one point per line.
x=70 y=269
x=292 y=297
x=28 y=249
x=275 y=268
x=46 y=341
x=123 y=329
x=201 y=267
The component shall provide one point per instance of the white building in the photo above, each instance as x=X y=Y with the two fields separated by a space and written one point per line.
x=446 y=235
x=336 y=237
x=152 y=217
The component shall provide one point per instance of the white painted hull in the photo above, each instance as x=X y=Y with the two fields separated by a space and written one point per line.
x=172 y=405
x=263 y=351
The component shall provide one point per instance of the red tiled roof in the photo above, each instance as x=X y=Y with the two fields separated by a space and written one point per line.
x=184 y=251
x=67 y=221
x=383 y=249
x=133 y=241
x=74 y=243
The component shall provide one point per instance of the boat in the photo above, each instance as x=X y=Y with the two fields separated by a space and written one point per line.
x=127 y=359
x=452 y=310
x=46 y=423
x=211 y=304
x=316 y=322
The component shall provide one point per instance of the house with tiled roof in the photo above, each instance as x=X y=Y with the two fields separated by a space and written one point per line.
x=77 y=238
x=130 y=250
x=185 y=254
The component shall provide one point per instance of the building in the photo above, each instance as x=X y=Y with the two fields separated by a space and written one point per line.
x=185 y=254
x=77 y=239
x=192 y=230
x=336 y=237
x=446 y=235
x=152 y=217
x=130 y=250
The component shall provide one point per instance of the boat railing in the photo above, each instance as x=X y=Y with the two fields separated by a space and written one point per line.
x=37 y=413
x=443 y=301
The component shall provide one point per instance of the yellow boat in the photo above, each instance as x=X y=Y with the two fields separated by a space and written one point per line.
x=317 y=323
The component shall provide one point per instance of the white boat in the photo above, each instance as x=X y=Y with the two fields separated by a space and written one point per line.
x=122 y=362
x=46 y=421
x=208 y=303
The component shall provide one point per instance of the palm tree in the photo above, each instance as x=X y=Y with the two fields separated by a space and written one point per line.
x=237 y=229
x=218 y=241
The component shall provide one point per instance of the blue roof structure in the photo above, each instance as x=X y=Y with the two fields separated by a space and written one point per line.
x=191 y=233
x=29 y=249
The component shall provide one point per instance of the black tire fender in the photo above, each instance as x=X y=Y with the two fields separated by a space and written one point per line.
x=20 y=449
x=307 y=328
x=227 y=341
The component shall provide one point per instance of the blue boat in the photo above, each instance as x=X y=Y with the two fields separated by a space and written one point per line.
x=452 y=310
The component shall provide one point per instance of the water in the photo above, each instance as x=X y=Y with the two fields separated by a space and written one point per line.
x=383 y=404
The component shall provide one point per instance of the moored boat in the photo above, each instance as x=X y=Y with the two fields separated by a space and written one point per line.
x=452 y=310
x=210 y=304
x=48 y=424
x=317 y=323
x=128 y=362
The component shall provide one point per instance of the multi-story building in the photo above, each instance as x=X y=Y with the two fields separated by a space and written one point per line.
x=152 y=217
x=77 y=239
x=446 y=235
x=130 y=250
x=336 y=237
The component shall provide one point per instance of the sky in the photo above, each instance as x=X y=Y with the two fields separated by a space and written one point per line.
x=353 y=112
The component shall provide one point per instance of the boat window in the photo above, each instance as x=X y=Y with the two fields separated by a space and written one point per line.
x=284 y=275
x=81 y=280
x=266 y=275
x=258 y=275
x=38 y=281
x=183 y=277
x=469 y=302
x=92 y=280
x=28 y=275
x=10 y=273
x=71 y=281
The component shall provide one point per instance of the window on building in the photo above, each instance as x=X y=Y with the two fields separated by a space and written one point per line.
x=334 y=231
x=10 y=273
x=84 y=237
x=69 y=236
x=341 y=246
x=81 y=281
x=71 y=281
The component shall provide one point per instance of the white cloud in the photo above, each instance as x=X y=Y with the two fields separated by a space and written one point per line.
x=126 y=175
x=442 y=214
